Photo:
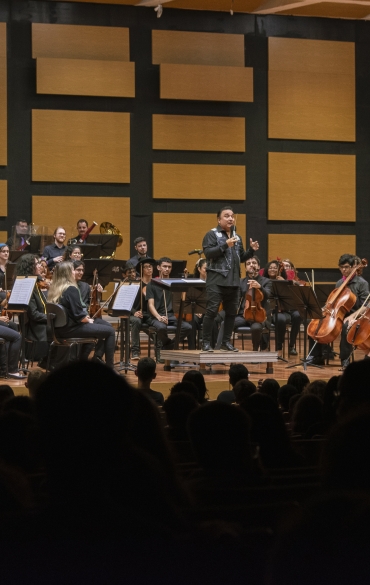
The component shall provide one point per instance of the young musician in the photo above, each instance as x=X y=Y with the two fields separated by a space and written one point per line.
x=54 y=253
x=224 y=252
x=72 y=253
x=141 y=248
x=160 y=307
x=139 y=311
x=64 y=290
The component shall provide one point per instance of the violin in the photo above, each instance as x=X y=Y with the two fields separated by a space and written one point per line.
x=4 y=304
x=338 y=304
x=253 y=310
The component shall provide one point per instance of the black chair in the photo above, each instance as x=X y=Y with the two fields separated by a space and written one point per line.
x=57 y=317
x=246 y=331
x=151 y=332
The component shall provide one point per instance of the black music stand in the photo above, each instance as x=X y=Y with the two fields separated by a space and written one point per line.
x=178 y=268
x=90 y=250
x=193 y=301
x=303 y=299
x=104 y=268
x=124 y=299
x=18 y=303
x=108 y=242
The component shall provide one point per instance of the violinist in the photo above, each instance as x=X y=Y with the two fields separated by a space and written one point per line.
x=274 y=271
x=44 y=276
x=139 y=311
x=64 y=290
x=360 y=287
x=224 y=251
x=253 y=280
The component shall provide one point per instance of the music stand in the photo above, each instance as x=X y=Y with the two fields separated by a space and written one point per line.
x=178 y=268
x=303 y=300
x=104 y=268
x=123 y=302
x=19 y=301
x=108 y=242
x=34 y=245
x=90 y=250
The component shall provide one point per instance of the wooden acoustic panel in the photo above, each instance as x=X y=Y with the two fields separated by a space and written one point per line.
x=3 y=199
x=54 y=210
x=211 y=133
x=85 y=77
x=3 y=98
x=3 y=236
x=88 y=147
x=197 y=48
x=70 y=41
x=311 y=187
x=182 y=232
x=312 y=98
x=311 y=250
x=178 y=181
x=206 y=82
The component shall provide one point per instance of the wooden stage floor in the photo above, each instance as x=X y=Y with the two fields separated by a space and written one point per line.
x=217 y=378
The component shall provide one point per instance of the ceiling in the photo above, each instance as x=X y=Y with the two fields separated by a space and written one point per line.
x=352 y=9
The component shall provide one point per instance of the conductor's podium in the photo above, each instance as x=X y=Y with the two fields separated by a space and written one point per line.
x=204 y=358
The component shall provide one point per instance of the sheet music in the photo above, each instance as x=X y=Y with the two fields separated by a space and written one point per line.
x=22 y=290
x=125 y=297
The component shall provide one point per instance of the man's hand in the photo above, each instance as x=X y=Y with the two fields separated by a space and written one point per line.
x=4 y=319
x=58 y=259
x=138 y=314
x=254 y=284
x=254 y=245
x=231 y=241
x=163 y=319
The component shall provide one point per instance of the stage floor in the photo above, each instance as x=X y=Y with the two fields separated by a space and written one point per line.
x=216 y=377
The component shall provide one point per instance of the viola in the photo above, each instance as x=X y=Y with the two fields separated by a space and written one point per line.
x=338 y=304
x=253 y=310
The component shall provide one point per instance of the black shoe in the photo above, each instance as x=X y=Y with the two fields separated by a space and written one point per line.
x=316 y=361
x=292 y=351
x=206 y=346
x=227 y=346
x=97 y=358
x=135 y=356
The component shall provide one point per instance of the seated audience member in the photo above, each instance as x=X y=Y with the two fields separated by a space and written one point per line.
x=270 y=387
x=268 y=431
x=354 y=387
x=178 y=407
x=317 y=387
x=22 y=404
x=307 y=419
x=197 y=378
x=187 y=387
x=272 y=271
x=160 y=307
x=18 y=439
x=145 y=373
x=299 y=380
x=64 y=290
x=331 y=397
x=35 y=378
x=236 y=372
x=243 y=390
x=139 y=312
x=256 y=281
x=6 y=392
x=285 y=393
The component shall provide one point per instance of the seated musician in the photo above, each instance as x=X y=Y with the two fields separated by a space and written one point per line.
x=36 y=320
x=54 y=253
x=64 y=290
x=72 y=253
x=82 y=227
x=360 y=287
x=128 y=272
x=275 y=272
x=253 y=280
x=17 y=241
x=141 y=248
x=139 y=311
x=160 y=307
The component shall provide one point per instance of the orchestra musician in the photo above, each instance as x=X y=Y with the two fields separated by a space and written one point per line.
x=129 y=273
x=72 y=253
x=141 y=248
x=19 y=240
x=360 y=287
x=53 y=254
x=35 y=326
x=4 y=257
x=224 y=251
x=160 y=308
x=275 y=272
x=64 y=290
x=82 y=227
x=253 y=280
x=139 y=311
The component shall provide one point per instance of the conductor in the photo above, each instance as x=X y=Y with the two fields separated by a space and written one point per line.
x=224 y=251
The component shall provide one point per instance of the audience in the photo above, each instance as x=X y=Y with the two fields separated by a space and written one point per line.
x=307 y=419
x=299 y=380
x=285 y=393
x=187 y=387
x=197 y=378
x=145 y=373
x=243 y=389
x=178 y=407
x=271 y=388
x=236 y=372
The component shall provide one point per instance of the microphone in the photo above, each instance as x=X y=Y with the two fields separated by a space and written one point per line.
x=194 y=252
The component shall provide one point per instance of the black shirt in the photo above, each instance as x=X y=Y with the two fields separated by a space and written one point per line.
x=223 y=262
x=143 y=305
x=51 y=252
x=360 y=287
x=71 y=301
x=157 y=293
x=85 y=292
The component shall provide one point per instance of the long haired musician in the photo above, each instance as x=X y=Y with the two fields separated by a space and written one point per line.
x=64 y=290
x=360 y=287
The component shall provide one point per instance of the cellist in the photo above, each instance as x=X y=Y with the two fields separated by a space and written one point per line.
x=360 y=288
x=253 y=280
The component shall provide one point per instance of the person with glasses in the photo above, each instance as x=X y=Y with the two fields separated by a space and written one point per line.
x=72 y=253
x=54 y=253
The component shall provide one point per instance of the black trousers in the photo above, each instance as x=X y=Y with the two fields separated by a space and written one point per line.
x=229 y=297
x=102 y=331
x=256 y=330
x=162 y=337
x=13 y=347
x=283 y=319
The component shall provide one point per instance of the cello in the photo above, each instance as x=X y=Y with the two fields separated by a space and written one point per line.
x=338 y=304
x=359 y=331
